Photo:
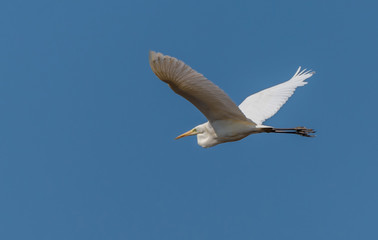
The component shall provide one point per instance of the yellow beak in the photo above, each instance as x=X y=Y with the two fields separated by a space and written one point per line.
x=188 y=133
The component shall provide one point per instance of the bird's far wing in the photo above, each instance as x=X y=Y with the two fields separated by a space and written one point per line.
x=202 y=93
x=264 y=104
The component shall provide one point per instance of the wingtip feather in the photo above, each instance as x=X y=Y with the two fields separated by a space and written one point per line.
x=152 y=56
x=296 y=73
x=301 y=72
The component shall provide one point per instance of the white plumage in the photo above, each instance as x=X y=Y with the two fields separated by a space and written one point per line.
x=264 y=104
x=227 y=122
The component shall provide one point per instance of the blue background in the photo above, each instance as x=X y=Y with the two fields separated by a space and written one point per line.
x=87 y=147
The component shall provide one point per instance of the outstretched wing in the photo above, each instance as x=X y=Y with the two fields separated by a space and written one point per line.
x=264 y=104
x=202 y=93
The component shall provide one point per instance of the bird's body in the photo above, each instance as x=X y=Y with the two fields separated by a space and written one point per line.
x=224 y=131
x=227 y=122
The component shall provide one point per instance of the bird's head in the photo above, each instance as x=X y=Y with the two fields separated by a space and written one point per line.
x=194 y=131
x=206 y=136
x=199 y=130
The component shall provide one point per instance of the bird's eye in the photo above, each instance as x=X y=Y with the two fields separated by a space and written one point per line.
x=194 y=130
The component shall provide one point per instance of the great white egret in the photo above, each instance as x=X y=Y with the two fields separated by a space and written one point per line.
x=226 y=121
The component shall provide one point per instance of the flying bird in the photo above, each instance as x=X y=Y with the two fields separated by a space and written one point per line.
x=226 y=121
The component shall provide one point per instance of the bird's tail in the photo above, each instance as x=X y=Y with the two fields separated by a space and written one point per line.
x=302 y=131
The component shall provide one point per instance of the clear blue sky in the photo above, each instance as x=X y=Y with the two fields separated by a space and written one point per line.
x=87 y=147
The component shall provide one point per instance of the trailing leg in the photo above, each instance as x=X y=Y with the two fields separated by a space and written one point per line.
x=302 y=131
